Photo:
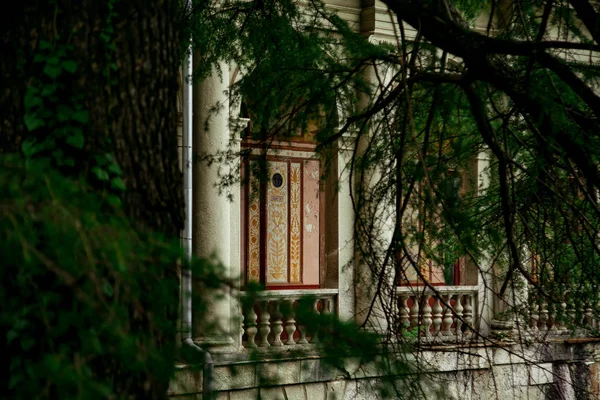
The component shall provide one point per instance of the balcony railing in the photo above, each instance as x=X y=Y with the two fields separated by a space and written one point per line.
x=570 y=316
x=270 y=318
x=443 y=314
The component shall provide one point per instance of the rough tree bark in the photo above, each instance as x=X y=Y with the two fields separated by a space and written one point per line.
x=132 y=112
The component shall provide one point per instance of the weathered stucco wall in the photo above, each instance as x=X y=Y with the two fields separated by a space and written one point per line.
x=556 y=370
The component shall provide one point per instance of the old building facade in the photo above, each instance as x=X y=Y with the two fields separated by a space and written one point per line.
x=294 y=233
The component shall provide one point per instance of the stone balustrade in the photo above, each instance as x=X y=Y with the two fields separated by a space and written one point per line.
x=272 y=318
x=569 y=316
x=443 y=313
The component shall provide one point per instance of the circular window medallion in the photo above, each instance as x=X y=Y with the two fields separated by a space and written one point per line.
x=277 y=180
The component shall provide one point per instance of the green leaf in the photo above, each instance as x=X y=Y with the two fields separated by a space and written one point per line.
x=69 y=66
x=11 y=335
x=53 y=71
x=63 y=113
x=45 y=45
x=76 y=139
x=45 y=113
x=115 y=169
x=61 y=160
x=14 y=380
x=100 y=160
x=39 y=58
x=28 y=148
x=108 y=289
x=117 y=183
x=113 y=200
x=49 y=89
x=80 y=116
x=100 y=173
x=58 y=155
x=54 y=60
x=27 y=343
x=32 y=122
x=69 y=161
x=32 y=100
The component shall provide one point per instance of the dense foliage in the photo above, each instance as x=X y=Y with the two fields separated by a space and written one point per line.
x=86 y=303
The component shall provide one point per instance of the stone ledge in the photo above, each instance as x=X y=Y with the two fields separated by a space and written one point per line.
x=530 y=369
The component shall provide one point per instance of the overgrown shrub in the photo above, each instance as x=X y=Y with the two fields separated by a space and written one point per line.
x=89 y=306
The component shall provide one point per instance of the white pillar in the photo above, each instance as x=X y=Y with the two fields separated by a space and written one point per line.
x=211 y=223
x=347 y=307
x=485 y=281
x=367 y=276
x=237 y=125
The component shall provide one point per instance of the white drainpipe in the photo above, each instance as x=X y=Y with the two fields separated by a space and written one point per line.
x=186 y=157
x=189 y=349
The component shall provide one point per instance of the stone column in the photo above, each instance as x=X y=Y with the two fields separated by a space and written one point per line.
x=506 y=311
x=367 y=276
x=485 y=281
x=347 y=307
x=237 y=125
x=211 y=209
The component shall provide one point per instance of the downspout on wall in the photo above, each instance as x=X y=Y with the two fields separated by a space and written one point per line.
x=189 y=350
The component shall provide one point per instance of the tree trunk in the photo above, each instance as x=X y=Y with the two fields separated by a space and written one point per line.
x=127 y=75
x=144 y=127
x=127 y=54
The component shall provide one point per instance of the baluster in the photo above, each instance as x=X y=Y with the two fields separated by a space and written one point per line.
x=448 y=317
x=580 y=314
x=414 y=312
x=572 y=314
x=559 y=325
x=595 y=322
x=595 y=306
x=404 y=312
x=468 y=313
x=552 y=322
x=327 y=306
x=265 y=328
x=302 y=330
x=305 y=319
x=561 y=316
x=315 y=331
x=427 y=321
x=458 y=311
x=250 y=323
x=290 y=323
x=277 y=325
x=543 y=315
x=588 y=316
x=535 y=317
x=437 y=316
x=242 y=324
x=565 y=314
x=326 y=312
